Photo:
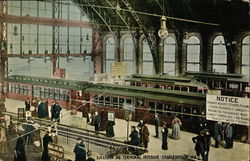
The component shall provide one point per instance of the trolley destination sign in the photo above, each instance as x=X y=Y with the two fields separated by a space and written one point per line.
x=228 y=109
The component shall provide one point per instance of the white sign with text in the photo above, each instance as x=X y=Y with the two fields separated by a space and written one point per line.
x=228 y=109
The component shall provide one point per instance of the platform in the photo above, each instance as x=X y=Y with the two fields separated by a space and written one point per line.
x=177 y=148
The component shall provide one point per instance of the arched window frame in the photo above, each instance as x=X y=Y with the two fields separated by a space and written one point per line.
x=245 y=62
x=149 y=61
x=171 y=61
x=219 y=57
x=128 y=48
x=193 y=58
x=109 y=58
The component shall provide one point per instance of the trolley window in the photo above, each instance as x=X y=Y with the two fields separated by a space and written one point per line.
x=12 y=87
x=115 y=102
x=46 y=93
x=121 y=101
x=36 y=91
x=57 y=94
x=66 y=96
x=159 y=108
x=51 y=93
x=107 y=100
x=25 y=90
x=151 y=106
x=129 y=101
x=95 y=97
x=61 y=95
x=41 y=92
x=139 y=103
x=101 y=100
x=21 y=88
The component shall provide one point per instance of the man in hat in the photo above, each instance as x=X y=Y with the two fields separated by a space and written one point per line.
x=134 y=140
x=55 y=112
x=46 y=140
x=80 y=151
x=156 y=122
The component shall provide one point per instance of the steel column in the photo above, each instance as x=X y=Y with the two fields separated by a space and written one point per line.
x=3 y=52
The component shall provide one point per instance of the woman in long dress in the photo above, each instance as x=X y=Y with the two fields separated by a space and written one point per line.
x=19 y=153
x=176 y=123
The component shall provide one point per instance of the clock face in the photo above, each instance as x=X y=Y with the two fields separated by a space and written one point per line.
x=163 y=34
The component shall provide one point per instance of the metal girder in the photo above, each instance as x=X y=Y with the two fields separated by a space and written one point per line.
x=143 y=28
x=44 y=55
x=44 y=21
x=123 y=19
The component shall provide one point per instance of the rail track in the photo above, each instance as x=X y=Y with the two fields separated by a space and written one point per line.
x=109 y=145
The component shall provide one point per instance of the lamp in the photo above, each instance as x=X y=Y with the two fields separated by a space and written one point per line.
x=185 y=37
x=15 y=31
x=163 y=32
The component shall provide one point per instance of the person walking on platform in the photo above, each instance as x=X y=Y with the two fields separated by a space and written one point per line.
x=176 y=123
x=217 y=133
x=200 y=145
x=139 y=126
x=19 y=153
x=80 y=151
x=97 y=122
x=164 y=145
x=145 y=135
x=134 y=140
x=46 y=140
x=104 y=120
x=229 y=136
x=208 y=140
x=27 y=104
x=55 y=112
x=156 y=122
x=41 y=109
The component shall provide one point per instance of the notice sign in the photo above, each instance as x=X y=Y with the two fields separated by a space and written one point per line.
x=228 y=109
x=119 y=69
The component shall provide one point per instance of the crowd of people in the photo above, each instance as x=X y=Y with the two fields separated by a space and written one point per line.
x=140 y=138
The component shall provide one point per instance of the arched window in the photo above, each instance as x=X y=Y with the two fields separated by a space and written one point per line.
x=219 y=55
x=148 y=67
x=193 y=54
x=245 y=65
x=110 y=54
x=169 y=55
x=129 y=55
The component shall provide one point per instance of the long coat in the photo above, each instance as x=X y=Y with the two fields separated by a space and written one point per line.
x=19 y=154
x=110 y=129
x=55 y=111
x=42 y=110
x=201 y=144
x=157 y=122
x=217 y=131
x=27 y=105
x=46 y=140
x=134 y=138
x=229 y=131
x=80 y=152
x=164 y=145
x=145 y=134
x=103 y=123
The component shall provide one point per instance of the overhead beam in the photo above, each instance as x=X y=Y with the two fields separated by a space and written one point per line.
x=47 y=55
x=44 y=21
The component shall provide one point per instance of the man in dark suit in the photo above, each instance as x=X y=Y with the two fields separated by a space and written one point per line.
x=157 y=122
x=80 y=151
x=55 y=111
